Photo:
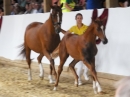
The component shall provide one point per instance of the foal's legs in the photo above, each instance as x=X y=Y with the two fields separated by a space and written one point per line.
x=29 y=62
x=52 y=67
x=72 y=65
x=50 y=76
x=96 y=85
x=39 y=58
x=63 y=56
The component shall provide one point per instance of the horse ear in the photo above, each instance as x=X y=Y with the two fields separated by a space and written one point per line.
x=94 y=15
x=61 y=5
x=104 y=17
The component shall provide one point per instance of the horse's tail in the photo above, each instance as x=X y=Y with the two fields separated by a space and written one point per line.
x=23 y=51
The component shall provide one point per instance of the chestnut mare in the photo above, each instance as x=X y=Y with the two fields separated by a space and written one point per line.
x=83 y=48
x=43 y=38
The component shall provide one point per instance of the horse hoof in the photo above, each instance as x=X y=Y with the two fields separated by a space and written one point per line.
x=41 y=77
x=51 y=82
x=79 y=83
x=86 y=78
x=76 y=85
x=101 y=92
x=95 y=92
x=55 y=89
x=29 y=79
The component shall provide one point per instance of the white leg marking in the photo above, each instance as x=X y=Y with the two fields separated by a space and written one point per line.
x=85 y=73
x=41 y=70
x=79 y=72
x=94 y=87
x=79 y=82
x=99 y=89
x=29 y=75
x=51 y=79
x=55 y=88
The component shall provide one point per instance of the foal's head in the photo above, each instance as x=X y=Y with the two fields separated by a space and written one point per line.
x=98 y=30
x=56 y=15
x=99 y=24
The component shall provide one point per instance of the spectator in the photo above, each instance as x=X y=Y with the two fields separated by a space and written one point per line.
x=1 y=14
x=40 y=1
x=19 y=10
x=34 y=10
x=39 y=7
x=28 y=1
x=123 y=87
x=93 y=4
x=103 y=3
x=1 y=3
x=28 y=8
x=80 y=5
x=12 y=8
x=13 y=2
x=1 y=11
x=123 y=3
x=68 y=5
x=22 y=3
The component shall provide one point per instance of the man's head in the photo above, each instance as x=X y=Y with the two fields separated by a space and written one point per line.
x=79 y=18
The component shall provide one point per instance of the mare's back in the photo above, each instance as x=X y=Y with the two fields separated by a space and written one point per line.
x=34 y=27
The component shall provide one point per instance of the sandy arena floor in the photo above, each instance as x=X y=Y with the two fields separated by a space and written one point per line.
x=14 y=83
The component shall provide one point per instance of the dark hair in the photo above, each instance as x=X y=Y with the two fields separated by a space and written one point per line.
x=1 y=9
x=27 y=4
x=15 y=1
x=78 y=14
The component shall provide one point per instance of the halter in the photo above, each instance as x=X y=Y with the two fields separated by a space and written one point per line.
x=55 y=23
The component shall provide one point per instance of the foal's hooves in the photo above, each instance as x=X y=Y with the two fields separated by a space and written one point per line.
x=41 y=77
x=52 y=82
x=55 y=88
x=29 y=79
x=101 y=92
x=76 y=85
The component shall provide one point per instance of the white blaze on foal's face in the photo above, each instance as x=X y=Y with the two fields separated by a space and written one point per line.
x=102 y=28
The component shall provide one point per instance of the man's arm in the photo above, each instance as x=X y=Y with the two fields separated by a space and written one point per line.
x=63 y=31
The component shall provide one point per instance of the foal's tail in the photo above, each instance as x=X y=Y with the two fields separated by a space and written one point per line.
x=23 y=51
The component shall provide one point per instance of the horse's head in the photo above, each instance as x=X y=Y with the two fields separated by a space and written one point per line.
x=100 y=25
x=56 y=14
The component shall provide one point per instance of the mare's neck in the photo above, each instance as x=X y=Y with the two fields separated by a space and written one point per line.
x=49 y=21
x=50 y=25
